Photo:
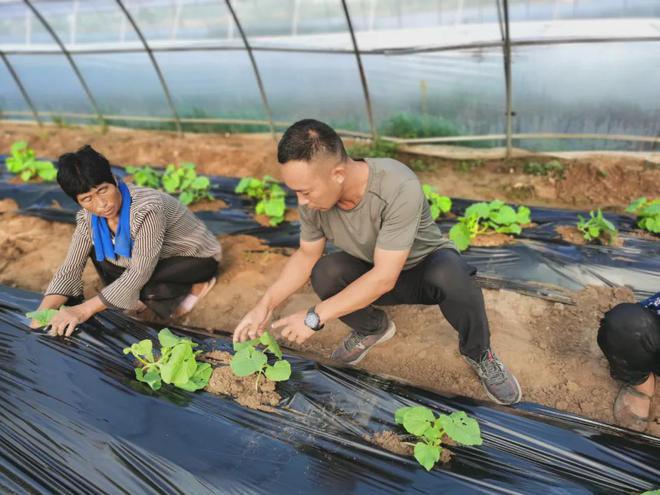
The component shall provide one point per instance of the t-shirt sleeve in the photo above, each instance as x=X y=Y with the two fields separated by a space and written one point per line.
x=401 y=217
x=310 y=225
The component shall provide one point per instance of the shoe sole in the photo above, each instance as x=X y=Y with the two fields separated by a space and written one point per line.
x=386 y=336
x=495 y=399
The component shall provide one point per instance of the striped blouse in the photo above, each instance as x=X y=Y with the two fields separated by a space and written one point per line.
x=161 y=227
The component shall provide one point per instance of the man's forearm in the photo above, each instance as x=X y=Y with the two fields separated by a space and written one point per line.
x=294 y=275
x=359 y=294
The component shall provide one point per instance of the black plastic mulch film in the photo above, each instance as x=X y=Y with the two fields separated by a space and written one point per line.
x=538 y=263
x=74 y=420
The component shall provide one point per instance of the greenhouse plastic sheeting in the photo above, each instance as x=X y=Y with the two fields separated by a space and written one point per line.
x=74 y=420
x=538 y=263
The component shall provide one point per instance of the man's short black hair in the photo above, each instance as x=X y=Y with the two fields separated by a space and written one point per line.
x=307 y=138
x=79 y=172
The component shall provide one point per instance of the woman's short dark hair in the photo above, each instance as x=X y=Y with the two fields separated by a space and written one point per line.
x=79 y=172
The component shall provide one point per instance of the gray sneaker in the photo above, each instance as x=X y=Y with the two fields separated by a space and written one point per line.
x=500 y=385
x=354 y=348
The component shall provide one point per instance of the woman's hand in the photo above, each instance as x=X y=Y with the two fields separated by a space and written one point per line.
x=67 y=319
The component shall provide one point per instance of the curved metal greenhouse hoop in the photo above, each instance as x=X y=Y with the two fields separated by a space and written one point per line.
x=147 y=48
x=68 y=56
x=22 y=89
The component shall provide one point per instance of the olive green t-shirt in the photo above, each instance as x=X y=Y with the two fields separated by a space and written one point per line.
x=393 y=215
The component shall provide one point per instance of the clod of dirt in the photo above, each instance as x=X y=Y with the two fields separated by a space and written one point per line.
x=8 y=205
x=394 y=443
x=492 y=239
x=242 y=389
x=572 y=235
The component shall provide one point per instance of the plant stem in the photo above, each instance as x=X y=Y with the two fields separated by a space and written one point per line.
x=256 y=386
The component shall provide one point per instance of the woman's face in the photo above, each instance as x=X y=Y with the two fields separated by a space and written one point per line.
x=103 y=200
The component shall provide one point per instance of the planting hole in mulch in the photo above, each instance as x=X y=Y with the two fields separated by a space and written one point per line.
x=242 y=389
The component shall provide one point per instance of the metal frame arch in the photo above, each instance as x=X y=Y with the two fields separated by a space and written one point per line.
x=68 y=56
x=255 y=68
x=21 y=88
x=166 y=90
x=363 y=77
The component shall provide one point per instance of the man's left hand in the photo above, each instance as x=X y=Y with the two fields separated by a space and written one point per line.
x=294 y=328
x=67 y=319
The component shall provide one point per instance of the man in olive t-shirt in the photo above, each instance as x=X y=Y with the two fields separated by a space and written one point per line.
x=390 y=252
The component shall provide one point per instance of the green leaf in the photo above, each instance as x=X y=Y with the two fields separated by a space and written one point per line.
x=242 y=185
x=444 y=203
x=152 y=378
x=461 y=428
x=652 y=492
x=201 y=183
x=418 y=420
x=432 y=433
x=481 y=210
x=509 y=229
x=279 y=372
x=167 y=339
x=524 y=215
x=460 y=235
x=435 y=212
x=43 y=316
x=248 y=343
x=400 y=413
x=427 y=455
x=186 y=197
x=271 y=344
x=636 y=205
x=504 y=216
x=180 y=354
x=143 y=348
x=248 y=361
x=26 y=175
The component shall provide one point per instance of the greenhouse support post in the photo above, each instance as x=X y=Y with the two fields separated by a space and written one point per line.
x=507 y=78
x=154 y=63
x=363 y=77
x=255 y=68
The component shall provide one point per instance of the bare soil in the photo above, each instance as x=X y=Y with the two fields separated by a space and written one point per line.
x=399 y=445
x=573 y=235
x=243 y=389
x=492 y=239
x=551 y=348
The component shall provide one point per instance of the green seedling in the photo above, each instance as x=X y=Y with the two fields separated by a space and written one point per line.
x=24 y=163
x=184 y=182
x=429 y=430
x=145 y=176
x=648 y=214
x=480 y=218
x=652 y=492
x=43 y=316
x=249 y=360
x=552 y=168
x=176 y=365
x=374 y=149
x=439 y=204
x=597 y=228
x=269 y=195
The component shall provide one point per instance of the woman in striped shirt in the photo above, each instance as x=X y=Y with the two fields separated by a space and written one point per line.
x=148 y=249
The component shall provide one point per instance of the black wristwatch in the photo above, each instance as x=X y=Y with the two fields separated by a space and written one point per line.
x=312 y=319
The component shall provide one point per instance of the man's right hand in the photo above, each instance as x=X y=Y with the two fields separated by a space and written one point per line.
x=253 y=324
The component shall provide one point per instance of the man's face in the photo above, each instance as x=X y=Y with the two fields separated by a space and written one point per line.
x=318 y=183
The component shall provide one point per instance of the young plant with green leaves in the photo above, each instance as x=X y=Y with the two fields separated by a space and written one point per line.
x=248 y=360
x=176 y=365
x=439 y=204
x=480 y=218
x=23 y=162
x=146 y=176
x=429 y=430
x=184 y=182
x=597 y=227
x=373 y=149
x=552 y=168
x=42 y=316
x=271 y=198
x=648 y=214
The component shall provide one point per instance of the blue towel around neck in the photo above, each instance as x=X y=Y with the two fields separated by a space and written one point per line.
x=103 y=247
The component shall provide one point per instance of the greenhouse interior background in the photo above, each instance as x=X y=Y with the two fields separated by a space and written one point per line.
x=538 y=74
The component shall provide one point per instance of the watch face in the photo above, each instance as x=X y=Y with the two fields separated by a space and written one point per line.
x=312 y=320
